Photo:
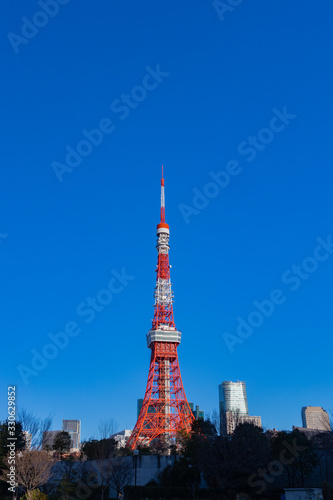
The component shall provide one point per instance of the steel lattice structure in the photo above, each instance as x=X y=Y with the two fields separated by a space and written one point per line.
x=165 y=409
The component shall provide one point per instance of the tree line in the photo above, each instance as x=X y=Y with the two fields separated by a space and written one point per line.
x=249 y=464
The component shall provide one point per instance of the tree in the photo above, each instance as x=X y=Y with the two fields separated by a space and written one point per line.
x=62 y=442
x=186 y=471
x=4 y=441
x=66 y=488
x=100 y=451
x=204 y=427
x=36 y=495
x=215 y=420
x=121 y=474
x=107 y=428
x=69 y=483
x=301 y=460
x=95 y=449
x=323 y=444
x=35 y=426
x=143 y=449
x=181 y=474
x=228 y=461
x=33 y=469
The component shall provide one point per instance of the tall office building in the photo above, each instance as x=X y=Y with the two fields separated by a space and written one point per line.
x=197 y=413
x=233 y=407
x=139 y=406
x=232 y=397
x=73 y=427
x=315 y=417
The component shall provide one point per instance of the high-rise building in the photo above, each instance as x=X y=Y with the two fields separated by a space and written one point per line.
x=139 y=406
x=315 y=417
x=73 y=427
x=230 y=420
x=165 y=409
x=197 y=413
x=233 y=407
x=232 y=397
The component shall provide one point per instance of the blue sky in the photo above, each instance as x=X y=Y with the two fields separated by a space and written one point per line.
x=174 y=84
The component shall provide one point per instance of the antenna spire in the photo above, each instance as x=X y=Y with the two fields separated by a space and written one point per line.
x=162 y=199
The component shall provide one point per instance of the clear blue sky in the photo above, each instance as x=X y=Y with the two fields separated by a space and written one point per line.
x=218 y=82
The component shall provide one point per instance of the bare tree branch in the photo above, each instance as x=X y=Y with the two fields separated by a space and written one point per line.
x=32 y=469
x=35 y=426
x=107 y=428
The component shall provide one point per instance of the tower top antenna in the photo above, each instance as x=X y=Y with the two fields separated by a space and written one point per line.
x=162 y=221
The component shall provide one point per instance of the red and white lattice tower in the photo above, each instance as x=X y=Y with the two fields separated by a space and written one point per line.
x=165 y=409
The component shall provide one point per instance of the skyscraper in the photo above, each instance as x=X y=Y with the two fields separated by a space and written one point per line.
x=197 y=413
x=315 y=417
x=233 y=407
x=232 y=397
x=73 y=427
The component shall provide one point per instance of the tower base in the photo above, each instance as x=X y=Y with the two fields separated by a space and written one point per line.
x=165 y=410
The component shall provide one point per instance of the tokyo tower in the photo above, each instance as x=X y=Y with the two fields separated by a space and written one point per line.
x=165 y=409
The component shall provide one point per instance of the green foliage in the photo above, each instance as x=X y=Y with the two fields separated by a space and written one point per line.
x=98 y=449
x=19 y=445
x=62 y=442
x=144 y=449
x=35 y=495
x=204 y=427
x=124 y=451
x=181 y=474
x=301 y=457
x=224 y=462
x=4 y=434
x=66 y=488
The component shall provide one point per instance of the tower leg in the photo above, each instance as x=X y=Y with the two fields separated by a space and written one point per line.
x=165 y=409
